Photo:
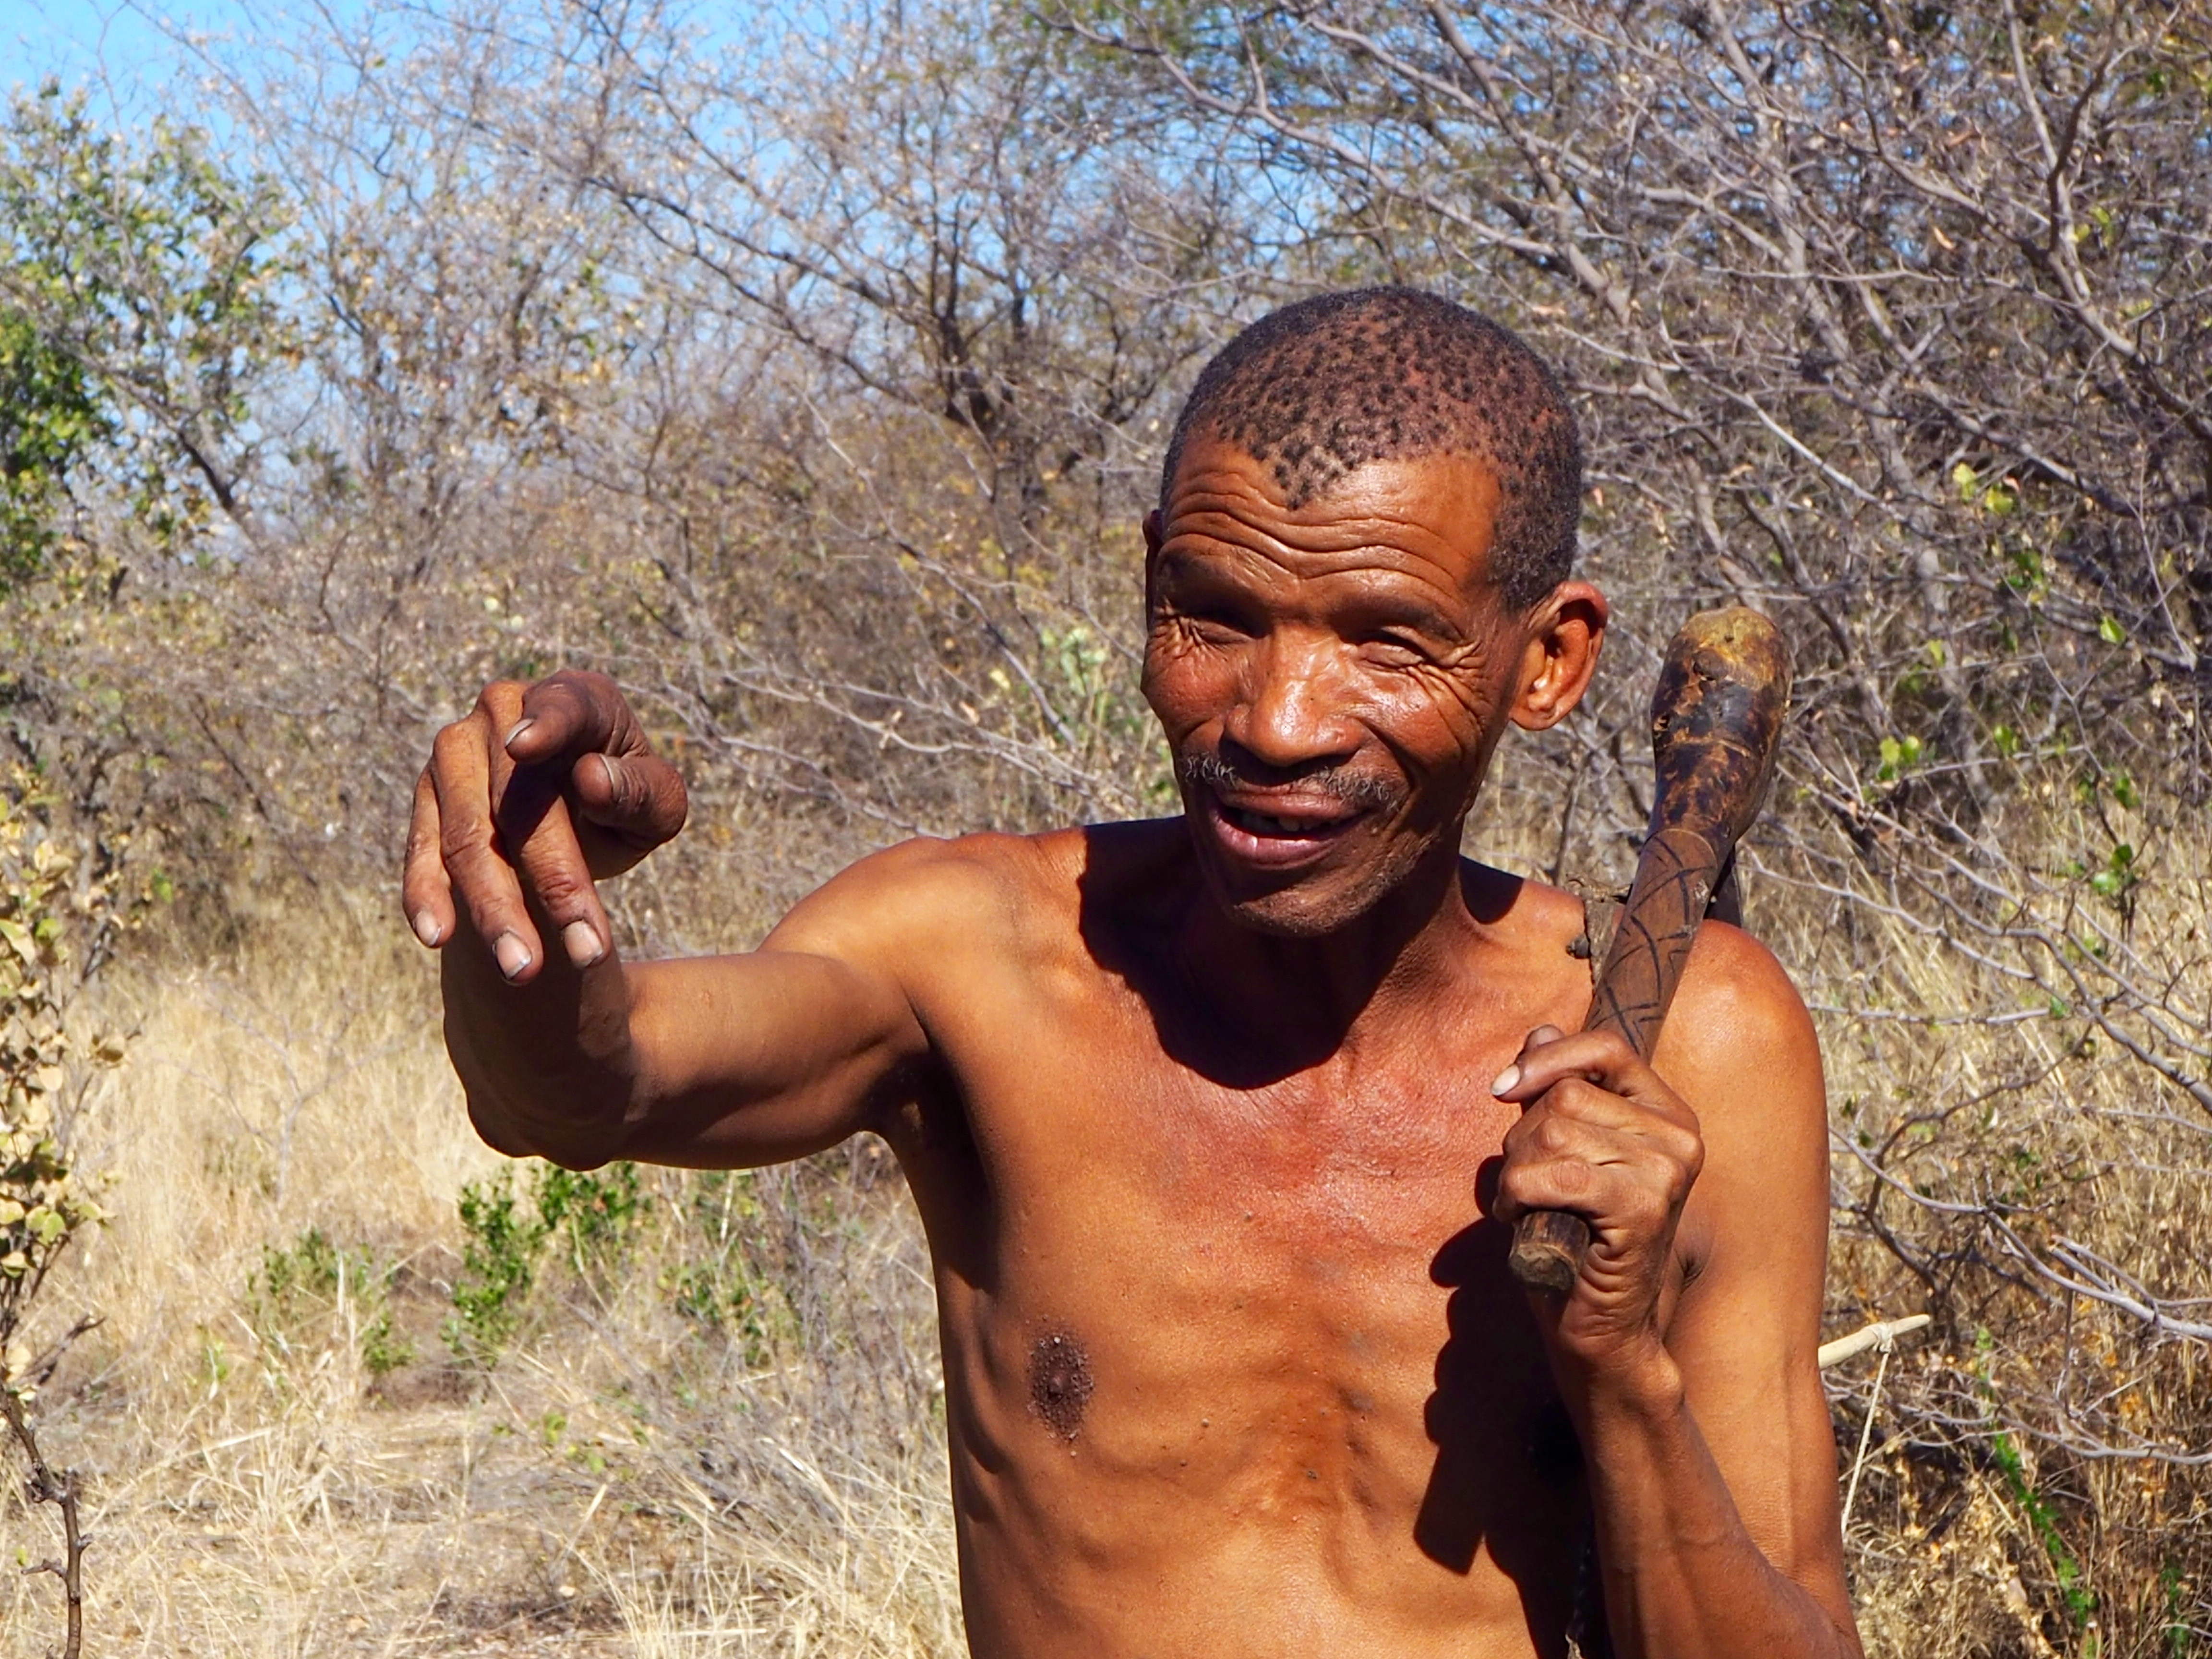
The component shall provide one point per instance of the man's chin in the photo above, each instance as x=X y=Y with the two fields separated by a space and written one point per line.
x=1307 y=905
x=1312 y=899
x=1281 y=921
x=1319 y=899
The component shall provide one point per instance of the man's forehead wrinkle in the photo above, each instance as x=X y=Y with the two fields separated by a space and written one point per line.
x=1380 y=532
x=1439 y=578
x=1378 y=536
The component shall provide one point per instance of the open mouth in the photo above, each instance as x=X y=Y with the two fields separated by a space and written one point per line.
x=1290 y=834
x=1263 y=824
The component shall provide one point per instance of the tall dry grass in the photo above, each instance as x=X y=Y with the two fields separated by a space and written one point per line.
x=625 y=1480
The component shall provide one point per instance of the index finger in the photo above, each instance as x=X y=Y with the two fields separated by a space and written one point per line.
x=572 y=713
x=1602 y=1057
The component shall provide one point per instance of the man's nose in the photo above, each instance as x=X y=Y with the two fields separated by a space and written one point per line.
x=1293 y=711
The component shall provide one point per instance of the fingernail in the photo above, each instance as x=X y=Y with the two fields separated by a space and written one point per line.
x=581 y=941
x=1508 y=1080
x=513 y=956
x=520 y=726
x=426 y=928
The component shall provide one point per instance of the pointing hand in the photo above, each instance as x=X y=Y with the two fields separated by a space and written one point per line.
x=536 y=793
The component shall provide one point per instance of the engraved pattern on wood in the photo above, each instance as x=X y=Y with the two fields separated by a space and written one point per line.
x=1673 y=886
x=1715 y=727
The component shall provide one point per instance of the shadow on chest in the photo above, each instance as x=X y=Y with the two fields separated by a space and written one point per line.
x=1508 y=1474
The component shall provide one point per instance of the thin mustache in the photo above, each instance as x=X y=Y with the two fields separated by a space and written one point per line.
x=1207 y=770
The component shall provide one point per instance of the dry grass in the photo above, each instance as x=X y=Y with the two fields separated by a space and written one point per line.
x=2036 y=1482
x=633 y=1479
x=625 y=1480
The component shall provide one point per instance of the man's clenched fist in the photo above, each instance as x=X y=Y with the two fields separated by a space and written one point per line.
x=1605 y=1137
x=538 y=793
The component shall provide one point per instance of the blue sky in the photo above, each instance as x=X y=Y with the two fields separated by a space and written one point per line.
x=133 y=48
x=130 y=50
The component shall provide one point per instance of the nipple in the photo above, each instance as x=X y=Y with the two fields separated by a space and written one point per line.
x=1060 y=1383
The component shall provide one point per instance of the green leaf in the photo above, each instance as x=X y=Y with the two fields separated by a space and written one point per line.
x=2109 y=631
x=19 y=938
x=142 y=283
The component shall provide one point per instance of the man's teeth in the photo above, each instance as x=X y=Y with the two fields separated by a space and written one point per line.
x=1261 y=823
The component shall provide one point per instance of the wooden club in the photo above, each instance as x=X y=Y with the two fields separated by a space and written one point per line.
x=1716 y=726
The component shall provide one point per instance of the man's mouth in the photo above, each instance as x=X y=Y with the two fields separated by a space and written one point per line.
x=1281 y=833
x=1266 y=823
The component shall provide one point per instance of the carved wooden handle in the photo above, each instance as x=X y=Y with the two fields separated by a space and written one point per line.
x=1715 y=727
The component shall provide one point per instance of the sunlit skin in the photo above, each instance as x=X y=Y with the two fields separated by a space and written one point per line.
x=1346 y=643
x=1218 y=1124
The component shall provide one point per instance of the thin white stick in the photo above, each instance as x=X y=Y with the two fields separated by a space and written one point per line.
x=1866 y=1433
x=1879 y=1335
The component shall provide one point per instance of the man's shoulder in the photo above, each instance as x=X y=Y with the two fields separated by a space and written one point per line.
x=1538 y=914
x=1047 y=866
x=990 y=891
x=947 y=888
x=1545 y=932
x=1740 y=1046
x=1736 y=999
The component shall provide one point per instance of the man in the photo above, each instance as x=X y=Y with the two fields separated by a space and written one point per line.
x=1219 y=1124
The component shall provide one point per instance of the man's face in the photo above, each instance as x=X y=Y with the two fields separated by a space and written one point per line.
x=1334 y=679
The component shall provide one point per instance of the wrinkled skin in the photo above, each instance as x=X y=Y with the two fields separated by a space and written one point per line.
x=1217 y=1124
x=1345 y=649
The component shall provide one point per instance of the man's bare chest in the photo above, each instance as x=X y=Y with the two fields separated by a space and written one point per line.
x=1069 y=1125
x=1182 y=1301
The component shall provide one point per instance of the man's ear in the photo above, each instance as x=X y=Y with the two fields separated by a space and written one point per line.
x=1152 y=537
x=1556 y=664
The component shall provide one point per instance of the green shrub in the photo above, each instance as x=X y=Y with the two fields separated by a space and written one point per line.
x=593 y=1214
x=300 y=1294
x=498 y=1265
x=721 y=1283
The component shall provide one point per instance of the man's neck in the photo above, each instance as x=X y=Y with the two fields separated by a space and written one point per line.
x=1320 y=991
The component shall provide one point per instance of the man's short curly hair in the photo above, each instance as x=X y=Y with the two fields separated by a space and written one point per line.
x=1330 y=384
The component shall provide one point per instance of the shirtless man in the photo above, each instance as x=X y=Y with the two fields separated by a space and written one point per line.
x=1219 y=1124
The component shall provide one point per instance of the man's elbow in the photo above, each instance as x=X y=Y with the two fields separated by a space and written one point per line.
x=576 y=1116
x=583 y=1144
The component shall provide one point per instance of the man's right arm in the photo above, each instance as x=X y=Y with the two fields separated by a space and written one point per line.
x=577 y=1056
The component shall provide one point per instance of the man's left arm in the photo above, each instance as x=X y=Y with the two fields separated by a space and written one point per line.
x=1705 y=1433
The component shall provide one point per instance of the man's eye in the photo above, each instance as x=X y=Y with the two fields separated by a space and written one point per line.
x=1216 y=626
x=1396 y=649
